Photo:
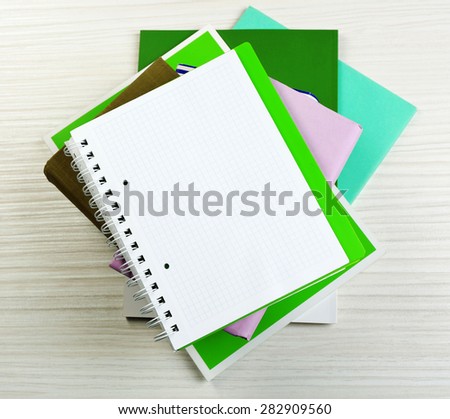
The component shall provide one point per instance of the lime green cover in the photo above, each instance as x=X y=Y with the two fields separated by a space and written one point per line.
x=216 y=347
x=302 y=59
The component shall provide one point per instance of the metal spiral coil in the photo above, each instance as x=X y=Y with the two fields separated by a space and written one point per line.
x=118 y=254
x=165 y=334
x=119 y=237
x=106 y=226
x=99 y=214
x=93 y=201
x=148 y=308
x=153 y=322
x=112 y=239
x=75 y=162
x=88 y=186
x=68 y=148
x=81 y=175
x=133 y=281
x=140 y=295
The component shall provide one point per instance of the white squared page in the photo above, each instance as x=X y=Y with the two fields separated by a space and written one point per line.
x=211 y=127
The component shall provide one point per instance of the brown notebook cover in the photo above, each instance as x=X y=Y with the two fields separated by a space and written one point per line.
x=58 y=170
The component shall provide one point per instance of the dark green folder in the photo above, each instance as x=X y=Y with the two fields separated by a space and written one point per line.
x=302 y=59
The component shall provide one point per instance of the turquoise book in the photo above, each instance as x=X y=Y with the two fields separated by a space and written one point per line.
x=382 y=114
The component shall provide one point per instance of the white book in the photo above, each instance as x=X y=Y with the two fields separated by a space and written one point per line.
x=324 y=312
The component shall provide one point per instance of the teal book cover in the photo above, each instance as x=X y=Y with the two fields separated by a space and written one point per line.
x=382 y=114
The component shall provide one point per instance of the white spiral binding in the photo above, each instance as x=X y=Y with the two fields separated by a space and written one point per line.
x=119 y=252
x=132 y=282
x=95 y=185
x=107 y=226
x=93 y=201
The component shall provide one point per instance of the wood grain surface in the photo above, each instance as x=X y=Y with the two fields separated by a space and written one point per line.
x=62 y=333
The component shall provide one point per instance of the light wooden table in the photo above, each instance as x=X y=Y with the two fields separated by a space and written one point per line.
x=61 y=329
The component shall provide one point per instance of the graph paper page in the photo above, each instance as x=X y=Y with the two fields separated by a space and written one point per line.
x=211 y=128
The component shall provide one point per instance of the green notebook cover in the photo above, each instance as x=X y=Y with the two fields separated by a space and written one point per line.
x=338 y=218
x=353 y=241
x=220 y=346
x=301 y=59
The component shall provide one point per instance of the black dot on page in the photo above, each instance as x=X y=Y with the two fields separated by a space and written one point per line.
x=166 y=266
x=125 y=182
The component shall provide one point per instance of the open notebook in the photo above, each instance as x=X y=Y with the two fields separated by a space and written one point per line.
x=202 y=273
x=203 y=46
x=303 y=59
x=330 y=138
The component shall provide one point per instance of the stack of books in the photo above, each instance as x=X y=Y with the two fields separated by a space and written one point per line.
x=222 y=174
